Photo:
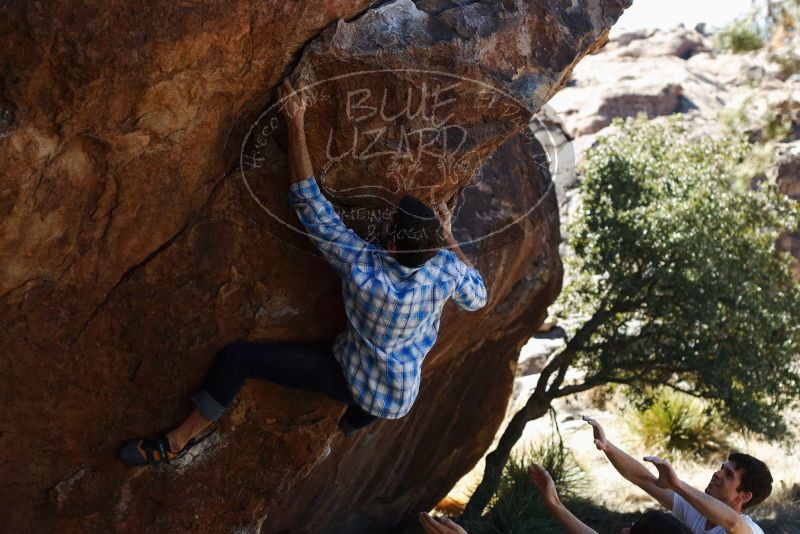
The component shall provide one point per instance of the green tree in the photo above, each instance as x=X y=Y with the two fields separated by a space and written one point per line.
x=678 y=276
x=741 y=35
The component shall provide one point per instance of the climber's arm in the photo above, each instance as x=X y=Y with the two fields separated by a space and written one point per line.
x=446 y=218
x=294 y=109
x=339 y=245
x=470 y=291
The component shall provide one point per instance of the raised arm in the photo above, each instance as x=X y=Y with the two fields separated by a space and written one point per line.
x=447 y=223
x=339 y=245
x=294 y=111
x=629 y=468
x=711 y=508
x=542 y=480
x=470 y=292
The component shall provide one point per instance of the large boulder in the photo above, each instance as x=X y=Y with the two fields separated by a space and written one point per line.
x=680 y=42
x=644 y=72
x=657 y=73
x=145 y=226
x=382 y=479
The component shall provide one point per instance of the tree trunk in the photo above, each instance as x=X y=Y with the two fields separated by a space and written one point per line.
x=535 y=408
x=537 y=405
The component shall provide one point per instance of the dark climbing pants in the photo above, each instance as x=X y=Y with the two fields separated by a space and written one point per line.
x=299 y=366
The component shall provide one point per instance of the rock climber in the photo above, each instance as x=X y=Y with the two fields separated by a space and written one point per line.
x=393 y=298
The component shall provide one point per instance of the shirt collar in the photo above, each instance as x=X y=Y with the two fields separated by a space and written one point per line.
x=395 y=265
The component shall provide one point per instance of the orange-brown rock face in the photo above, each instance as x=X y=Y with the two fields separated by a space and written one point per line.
x=144 y=225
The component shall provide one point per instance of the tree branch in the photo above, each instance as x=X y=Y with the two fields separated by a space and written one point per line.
x=589 y=383
x=496 y=460
x=564 y=359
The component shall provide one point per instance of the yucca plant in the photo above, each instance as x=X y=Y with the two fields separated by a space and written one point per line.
x=677 y=425
x=517 y=506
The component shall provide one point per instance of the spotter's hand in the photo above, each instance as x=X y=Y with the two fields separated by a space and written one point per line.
x=442 y=525
x=600 y=440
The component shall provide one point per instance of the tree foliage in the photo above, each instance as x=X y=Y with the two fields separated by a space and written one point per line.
x=699 y=297
x=677 y=273
x=741 y=35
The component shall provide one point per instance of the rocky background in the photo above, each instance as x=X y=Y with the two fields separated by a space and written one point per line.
x=137 y=238
x=658 y=73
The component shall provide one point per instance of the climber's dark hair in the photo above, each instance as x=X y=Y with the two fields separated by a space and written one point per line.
x=416 y=232
x=756 y=477
x=659 y=522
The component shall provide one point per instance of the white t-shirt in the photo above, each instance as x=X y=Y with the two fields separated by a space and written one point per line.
x=697 y=522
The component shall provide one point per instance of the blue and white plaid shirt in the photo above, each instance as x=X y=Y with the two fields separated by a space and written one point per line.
x=393 y=311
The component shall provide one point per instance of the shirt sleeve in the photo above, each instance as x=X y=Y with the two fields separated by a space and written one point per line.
x=340 y=245
x=470 y=291
x=754 y=528
x=680 y=509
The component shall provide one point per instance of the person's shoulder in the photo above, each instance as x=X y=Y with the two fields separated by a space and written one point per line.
x=752 y=524
x=445 y=264
x=683 y=510
x=451 y=260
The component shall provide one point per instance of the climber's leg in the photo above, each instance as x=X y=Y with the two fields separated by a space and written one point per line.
x=192 y=426
x=354 y=419
x=165 y=447
x=299 y=366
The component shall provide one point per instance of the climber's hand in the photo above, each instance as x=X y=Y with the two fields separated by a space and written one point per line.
x=600 y=440
x=293 y=104
x=446 y=216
